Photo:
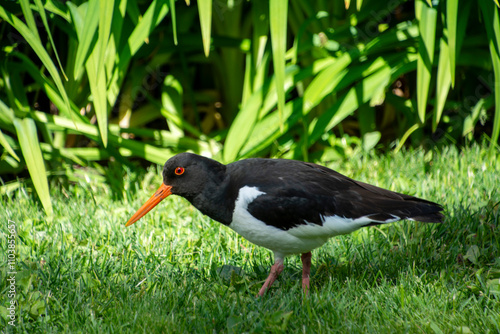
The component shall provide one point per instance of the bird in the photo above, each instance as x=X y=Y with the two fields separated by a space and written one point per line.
x=287 y=206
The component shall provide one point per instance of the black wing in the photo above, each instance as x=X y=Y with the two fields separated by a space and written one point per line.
x=298 y=193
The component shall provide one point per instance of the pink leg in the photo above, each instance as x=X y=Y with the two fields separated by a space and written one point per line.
x=306 y=270
x=276 y=270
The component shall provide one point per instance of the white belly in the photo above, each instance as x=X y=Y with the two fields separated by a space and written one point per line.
x=297 y=240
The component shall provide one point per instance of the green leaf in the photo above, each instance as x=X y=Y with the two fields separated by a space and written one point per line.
x=451 y=25
x=347 y=104
x=205 y=13
x=86 y=34
x=153 y=16
x=492 y=23
x=6 y=114
x=41 y=11
x=443 y=83
x=30 y=19
x=366 y=119
x=371 y=139
x=97 y=82
x=174 y=20
x=39 y=50
x=8 y=148
x=470 y=121
x=95 y=68
x=260 y=20
x=30 y=147
x=105 y=19
x=278 y=13
x=128 y=147
x=241 y=127
x=427 y=17
x=407 y=134
x=47 y=85
x=326 y=80
x=359 y=3
x=171 y=98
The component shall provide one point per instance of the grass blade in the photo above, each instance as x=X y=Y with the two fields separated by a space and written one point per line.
x=30 y=146
x=205 y=13
x=427 y=17
x=278 y=12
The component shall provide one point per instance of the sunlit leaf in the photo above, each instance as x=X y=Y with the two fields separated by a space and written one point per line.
x=241 y=127
x=30 y=147
x=347 y=104
x=7 y=147
x=443 y=83
x=41 y=11
x=427 y=17
x=205 y=12
x=278 y=13
x=89 y=12
x=30 y=19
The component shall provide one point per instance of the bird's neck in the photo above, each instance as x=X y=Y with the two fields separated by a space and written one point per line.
x=216 y=202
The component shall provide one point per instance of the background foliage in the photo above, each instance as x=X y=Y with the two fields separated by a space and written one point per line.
x=86 y=85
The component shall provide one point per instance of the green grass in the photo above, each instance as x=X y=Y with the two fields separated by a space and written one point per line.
x=171 y=272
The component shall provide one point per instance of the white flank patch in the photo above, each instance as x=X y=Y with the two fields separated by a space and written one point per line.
x=297 y=240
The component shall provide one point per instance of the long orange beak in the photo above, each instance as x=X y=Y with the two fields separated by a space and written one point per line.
x=158 y=196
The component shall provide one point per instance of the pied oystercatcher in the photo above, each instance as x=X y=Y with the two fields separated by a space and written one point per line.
x=287 y=206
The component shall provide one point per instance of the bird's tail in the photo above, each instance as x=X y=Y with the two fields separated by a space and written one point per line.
x=433 y=217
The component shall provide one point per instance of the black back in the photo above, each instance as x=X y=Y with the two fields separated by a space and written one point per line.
x=296 y=192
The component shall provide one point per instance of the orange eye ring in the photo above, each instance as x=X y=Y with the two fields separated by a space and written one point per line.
x=179 y=171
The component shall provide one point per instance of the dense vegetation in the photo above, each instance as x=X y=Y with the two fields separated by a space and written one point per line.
x=93 y=83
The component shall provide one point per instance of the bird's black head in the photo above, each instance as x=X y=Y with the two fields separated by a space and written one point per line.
x=189 y=174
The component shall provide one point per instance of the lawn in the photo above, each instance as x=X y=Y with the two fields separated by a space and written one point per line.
x=176 y=271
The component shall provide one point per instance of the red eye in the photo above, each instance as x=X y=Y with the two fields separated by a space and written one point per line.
x=179 y=171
